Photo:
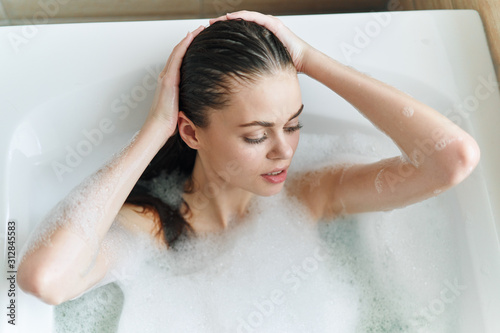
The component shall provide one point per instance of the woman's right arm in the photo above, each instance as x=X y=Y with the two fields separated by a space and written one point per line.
x=65 y=258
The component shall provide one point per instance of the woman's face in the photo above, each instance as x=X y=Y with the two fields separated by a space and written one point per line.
x=250 y=143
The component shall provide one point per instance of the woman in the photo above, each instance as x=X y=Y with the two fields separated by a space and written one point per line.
x=235 y=129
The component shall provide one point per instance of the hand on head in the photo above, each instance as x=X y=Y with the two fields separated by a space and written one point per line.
x=165 y=107
x=296 y=47
x=166 y=100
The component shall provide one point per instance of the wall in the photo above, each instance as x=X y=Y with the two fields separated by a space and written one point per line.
x=58 y=11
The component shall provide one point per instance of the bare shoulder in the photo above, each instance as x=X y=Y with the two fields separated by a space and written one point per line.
x=139 y=220
x=314 y=190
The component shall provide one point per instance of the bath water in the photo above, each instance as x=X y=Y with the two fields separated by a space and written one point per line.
x=275 y=271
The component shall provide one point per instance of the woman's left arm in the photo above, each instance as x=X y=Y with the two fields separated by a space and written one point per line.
x=436 y=154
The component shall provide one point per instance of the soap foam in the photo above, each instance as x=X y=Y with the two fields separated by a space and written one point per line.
x=275 y=271
x=344 y=169
x=378 y=181
x=441 y=144
x=257 y=276
x=81 y=208
x=408 y=111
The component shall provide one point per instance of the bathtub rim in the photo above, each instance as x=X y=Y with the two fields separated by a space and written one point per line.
x=10 y=126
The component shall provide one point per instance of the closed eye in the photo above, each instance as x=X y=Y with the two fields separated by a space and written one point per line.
x=292 y=129
x=288 y=129
x=255 y=141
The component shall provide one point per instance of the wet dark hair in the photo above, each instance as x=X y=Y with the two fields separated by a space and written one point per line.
x=225 y=53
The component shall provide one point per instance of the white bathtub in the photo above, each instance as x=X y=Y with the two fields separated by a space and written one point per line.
x=71 y=94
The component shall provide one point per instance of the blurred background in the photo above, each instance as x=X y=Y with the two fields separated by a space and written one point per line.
x=24 y=12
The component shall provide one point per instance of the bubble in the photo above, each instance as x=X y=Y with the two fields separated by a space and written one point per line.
x=79 y=216
x=441 y=144
x=96 y=311
x=417 y=157
x=343 y=211
x=379 y=186
x=408 y=111
x=272 y=270
x=344 y=169
x=256 y=273
x=79 y=213
x=168 y=188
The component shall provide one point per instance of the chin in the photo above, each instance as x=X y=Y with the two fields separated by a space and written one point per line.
x=273 y=190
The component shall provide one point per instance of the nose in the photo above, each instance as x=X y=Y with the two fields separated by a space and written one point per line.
x=281 y=149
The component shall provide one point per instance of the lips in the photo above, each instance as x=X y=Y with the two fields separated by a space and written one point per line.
x=276 y=170
x=274 y=173
x=276 y=176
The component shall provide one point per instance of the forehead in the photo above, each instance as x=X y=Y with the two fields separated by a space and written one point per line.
x=271 y=98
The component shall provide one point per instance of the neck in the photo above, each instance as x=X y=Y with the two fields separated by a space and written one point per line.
x=213 y=202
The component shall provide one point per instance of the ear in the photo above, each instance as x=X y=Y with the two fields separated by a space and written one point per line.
x=187 y=131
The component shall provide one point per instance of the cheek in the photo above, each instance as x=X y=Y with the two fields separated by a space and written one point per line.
x=294 y=141
x=234 y=157
x=249 y=157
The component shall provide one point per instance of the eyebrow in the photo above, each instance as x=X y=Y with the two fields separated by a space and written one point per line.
x=268 y=124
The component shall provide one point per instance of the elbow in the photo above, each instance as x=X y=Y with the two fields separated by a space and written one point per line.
x=37 y=283
x=459 y=162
